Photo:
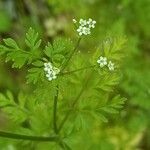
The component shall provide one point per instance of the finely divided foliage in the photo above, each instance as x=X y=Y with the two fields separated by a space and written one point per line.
x=72 y=90
x=18 y=55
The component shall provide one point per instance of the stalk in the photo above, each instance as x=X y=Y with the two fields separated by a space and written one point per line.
x=26 y=137
x=55 y=111
x=72 y=53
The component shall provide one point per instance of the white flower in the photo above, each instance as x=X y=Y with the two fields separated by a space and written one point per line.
x=80 y=30
x=91 y=23
x=86 y=31
x=85 y=26
x=51 y=72
x=111 y=66
x=102 y=61
x=83 y=22
x=51 y=76
x=47 y=66
x=83 y=30
x=74 y=20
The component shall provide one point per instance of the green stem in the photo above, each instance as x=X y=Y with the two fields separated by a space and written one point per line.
x=55 y=111
x=72 y=53
x=74 y=71
x=25 y=137
x=68 y=114
x=73 y=104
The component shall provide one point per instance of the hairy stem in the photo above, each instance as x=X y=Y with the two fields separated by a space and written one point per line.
x=55 y=111
x=72 y=53
x=25 y=137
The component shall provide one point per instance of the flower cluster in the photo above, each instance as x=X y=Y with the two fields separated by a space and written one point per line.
x=51 y=71
x=102 y=61
x=85 y=26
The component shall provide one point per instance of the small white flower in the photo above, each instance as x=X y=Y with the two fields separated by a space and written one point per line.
x=83 y=30
x=74 y=20
x=83 y=22
x=85 y=26
x=47 y=66
x=91 y=23
x=47 y=75
x=111 y=66
x=102 y=61
x=86 y=31
x=51 y=72
x=51 y=76
x=80 y=30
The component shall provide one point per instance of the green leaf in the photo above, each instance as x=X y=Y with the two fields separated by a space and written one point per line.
x=48 y=50
x=11 y=43
x=110 y=110
x=16 y=112
x=112 y=48
x=32 y=39
x=101 y=117
x=16 y=115
x=4 y=101
x=113 y=106
x=59 y=50
x=14 y=53
x=117 y=102
x=40 y=119
x=38 y=63
x=19 y=56
x=107 y=82
x=21 y=100
x=10 y=96
x=35 y=75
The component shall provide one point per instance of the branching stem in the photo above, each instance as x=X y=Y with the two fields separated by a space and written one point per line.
x=72 y=53
x=74 y=71
x=73 y=104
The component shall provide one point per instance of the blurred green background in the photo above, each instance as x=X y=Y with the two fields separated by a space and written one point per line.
x=52 y=18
